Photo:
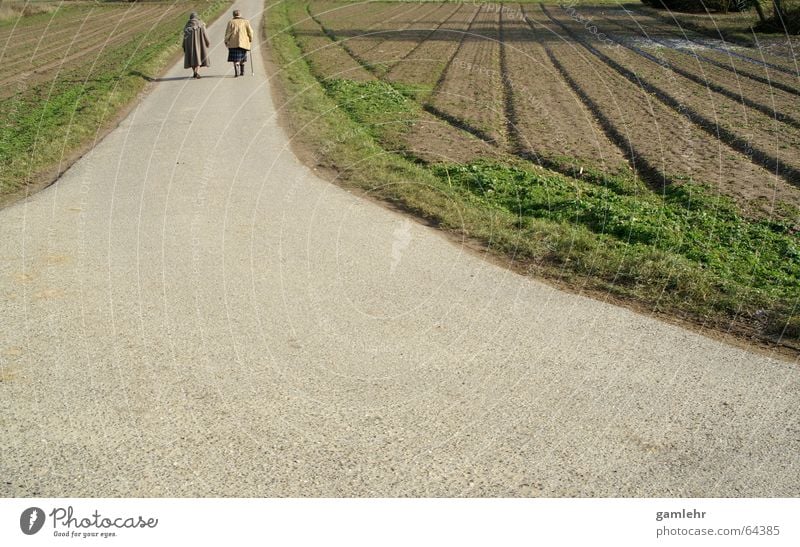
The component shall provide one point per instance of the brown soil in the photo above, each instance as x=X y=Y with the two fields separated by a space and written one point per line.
x=729 y=169
x=354 y=20
x=472 y=88
x=95 y=28
x=532 y=89
x=744 y=86
x=550 y=119
x=433 y=140
x=425 y=64
x=777 y=49
x=430 y=138
x=364 y=38
x=326 y=57
x=16 y=34
x=399 y=43
x=774 y=99
x=672 y=35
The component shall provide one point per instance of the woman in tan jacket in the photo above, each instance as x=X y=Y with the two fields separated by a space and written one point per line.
x=238 y=40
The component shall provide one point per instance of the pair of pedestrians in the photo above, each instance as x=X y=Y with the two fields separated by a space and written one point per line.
x=238 y=40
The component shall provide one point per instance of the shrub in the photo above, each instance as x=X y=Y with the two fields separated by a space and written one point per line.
x=788 y=23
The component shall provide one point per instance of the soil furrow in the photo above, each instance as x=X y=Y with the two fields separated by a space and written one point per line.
x=770 y=81
x=366 y=47
x=760 y=156
x=422 y=41
x=458 y=123
x=472 y=88
x=716 y=44
x=350 y=43
x=324 y=55
x=89 y=37
x=66 y=22
x=665 y=145
x=433 y=140
x=432 y=137
x=349 y=19
x=512 y=133
x=429 y=62
x=341 y=43
x=84 y=49
x=461 y=124
x=555 y=124
x=397 y=52
x=394 y=45
x=708 y=83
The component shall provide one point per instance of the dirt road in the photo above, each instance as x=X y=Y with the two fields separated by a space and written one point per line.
x=190 y=311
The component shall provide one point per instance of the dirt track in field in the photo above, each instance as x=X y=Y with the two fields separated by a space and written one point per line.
x=536 y=82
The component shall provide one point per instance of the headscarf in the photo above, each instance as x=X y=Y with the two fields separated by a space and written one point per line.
x=194 y=21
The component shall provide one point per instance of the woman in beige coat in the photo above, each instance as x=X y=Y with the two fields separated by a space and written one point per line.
x=195 y=45
x=238 y=40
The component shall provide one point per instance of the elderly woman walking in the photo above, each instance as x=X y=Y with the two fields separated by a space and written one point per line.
x=238 y=39
x=195 y=45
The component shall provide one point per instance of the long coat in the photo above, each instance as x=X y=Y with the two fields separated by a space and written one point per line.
x=239 y=34
x=195 y=45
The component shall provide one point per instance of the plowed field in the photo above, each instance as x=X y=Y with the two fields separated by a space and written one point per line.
x=39 y=50
x=574 y=87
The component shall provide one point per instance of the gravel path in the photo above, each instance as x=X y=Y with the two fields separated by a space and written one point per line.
x=190 y=311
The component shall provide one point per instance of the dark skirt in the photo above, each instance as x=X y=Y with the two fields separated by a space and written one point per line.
x=237 y=55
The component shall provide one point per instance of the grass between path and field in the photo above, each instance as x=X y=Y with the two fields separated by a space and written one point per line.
x=72 y=70
x=687 y=251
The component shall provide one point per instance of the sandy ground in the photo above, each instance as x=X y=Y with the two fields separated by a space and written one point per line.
x=190 y=311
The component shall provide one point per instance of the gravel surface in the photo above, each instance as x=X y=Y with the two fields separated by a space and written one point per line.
x=190 y=311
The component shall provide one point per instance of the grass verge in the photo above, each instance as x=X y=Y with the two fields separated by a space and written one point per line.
x=686 y=253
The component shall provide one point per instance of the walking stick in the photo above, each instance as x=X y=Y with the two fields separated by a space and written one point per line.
x=252 y=70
